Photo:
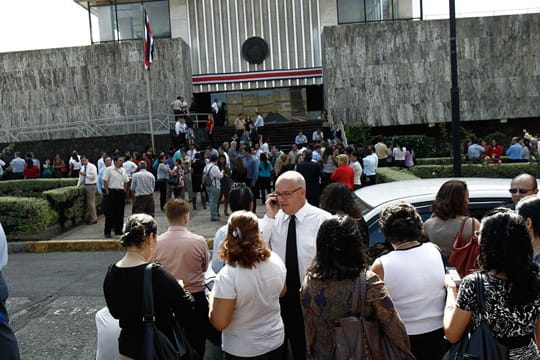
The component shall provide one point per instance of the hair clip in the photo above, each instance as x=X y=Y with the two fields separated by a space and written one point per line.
x=237 y=233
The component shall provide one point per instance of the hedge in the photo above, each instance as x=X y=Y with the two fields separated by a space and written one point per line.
x=388 y=174
x=33 y=187
x=435 y=161
x=70 y=202
x=26 y=215
x=476 y=170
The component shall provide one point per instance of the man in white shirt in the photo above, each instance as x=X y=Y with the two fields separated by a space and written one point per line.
x=287 y=204
x=215 y=110
x=180 y=128
x=130 y=168
x=259 y=125
x=114 y=183
x=143 y=184
x=88 y=178
x=101 y=163
x=370 y=166
x=317 y=136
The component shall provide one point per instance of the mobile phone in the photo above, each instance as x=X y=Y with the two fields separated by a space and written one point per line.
x=450 y=270
x=273 y=200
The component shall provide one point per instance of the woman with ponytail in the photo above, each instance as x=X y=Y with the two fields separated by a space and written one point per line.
x=123 y=288
x=511 y=288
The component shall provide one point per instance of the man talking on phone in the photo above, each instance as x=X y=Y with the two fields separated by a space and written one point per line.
x=290 y=228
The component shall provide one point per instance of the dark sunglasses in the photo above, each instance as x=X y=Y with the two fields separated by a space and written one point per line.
x=521 y=191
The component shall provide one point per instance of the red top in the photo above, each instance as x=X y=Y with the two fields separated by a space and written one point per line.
x=494 y=151
x=210 y=124
x=31 y=173
x=344 y=174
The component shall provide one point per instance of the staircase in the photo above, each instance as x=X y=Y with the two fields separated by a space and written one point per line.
x=279 y=133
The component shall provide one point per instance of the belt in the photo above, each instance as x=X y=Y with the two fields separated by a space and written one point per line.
x=144 y=195
x=122 y=190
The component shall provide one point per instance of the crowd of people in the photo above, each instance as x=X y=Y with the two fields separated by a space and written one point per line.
x=520 y=149
x=284 y=281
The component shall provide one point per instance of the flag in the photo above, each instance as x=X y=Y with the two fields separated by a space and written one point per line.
x=148 y=43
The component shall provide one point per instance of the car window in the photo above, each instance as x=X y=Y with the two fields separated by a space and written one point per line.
x=477 y=209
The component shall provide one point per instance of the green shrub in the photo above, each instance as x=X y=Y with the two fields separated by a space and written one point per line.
x=26 y=215
x=476 y=170
x=435 y=161
x=32 y=187
x=387 y=174
x=69 y=202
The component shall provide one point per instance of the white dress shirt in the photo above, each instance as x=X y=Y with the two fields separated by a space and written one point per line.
x=308 y=220
x=91 y=175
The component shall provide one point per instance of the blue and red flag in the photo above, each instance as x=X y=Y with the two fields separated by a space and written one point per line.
x=148 y=43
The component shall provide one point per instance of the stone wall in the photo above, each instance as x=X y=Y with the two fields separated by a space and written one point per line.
x=399 y=73
x=76 y=85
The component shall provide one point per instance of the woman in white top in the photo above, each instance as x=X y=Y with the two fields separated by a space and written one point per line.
x=398 y=153
x=245 y=305
x=414 y=276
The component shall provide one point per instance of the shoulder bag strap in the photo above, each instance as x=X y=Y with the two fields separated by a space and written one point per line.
x=148 y=313
x=460 y=234
x=356 y=294
x=361 y=303
x=480 y=293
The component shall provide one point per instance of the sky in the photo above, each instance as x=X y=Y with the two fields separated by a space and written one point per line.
x=42 y=24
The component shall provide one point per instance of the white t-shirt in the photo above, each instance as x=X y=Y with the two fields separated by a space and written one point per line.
x=399 y=153
x=74 y=164
x=414 y=279
x=256 y=326
x=130 y=168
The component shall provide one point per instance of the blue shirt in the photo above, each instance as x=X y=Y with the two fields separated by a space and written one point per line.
x=300 y=139
x=515 y=151
x=17 y=165
x=474 y=151
x=537 y=258
x=370 y=164
x=170 y=162
x=252 y=172
x=264 y=170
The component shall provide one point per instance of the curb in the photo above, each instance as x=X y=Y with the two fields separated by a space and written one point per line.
x=70 y=245
x=63 y=246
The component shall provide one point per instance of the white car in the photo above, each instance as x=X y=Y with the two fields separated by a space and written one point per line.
x=484 y=195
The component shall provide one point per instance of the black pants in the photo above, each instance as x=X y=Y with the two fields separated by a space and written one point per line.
x=429 y=345
x=276 y=354
x=162 y=186
x=114 y=216
x=198 y=323
x=293 y=319
x=264 y=187
x=249 y=183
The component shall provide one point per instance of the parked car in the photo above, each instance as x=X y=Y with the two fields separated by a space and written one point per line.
x=484 y=194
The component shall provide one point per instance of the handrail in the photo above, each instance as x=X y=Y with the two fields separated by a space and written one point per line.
x=107 y=126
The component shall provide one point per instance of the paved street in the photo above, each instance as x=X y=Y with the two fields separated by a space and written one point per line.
x=54 y=296
x=53 y=301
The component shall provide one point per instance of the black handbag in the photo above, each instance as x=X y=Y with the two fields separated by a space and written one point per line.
x=173 y=180
x=479 y=344
x=156 y=344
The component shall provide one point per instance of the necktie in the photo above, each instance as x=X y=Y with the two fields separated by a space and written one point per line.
x=291 y=259
x=84 y=176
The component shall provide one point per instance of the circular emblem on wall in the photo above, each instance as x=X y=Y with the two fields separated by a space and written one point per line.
x=255 y=50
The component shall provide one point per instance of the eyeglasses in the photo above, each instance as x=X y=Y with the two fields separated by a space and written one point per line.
x=286 y=194
x=521 y=191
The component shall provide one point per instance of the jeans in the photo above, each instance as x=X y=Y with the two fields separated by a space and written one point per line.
x=213 y=194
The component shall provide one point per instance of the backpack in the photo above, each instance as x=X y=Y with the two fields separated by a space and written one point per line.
x=207 y=179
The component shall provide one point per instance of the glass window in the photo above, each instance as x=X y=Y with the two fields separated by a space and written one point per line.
x=125 y=21
x=350 y=11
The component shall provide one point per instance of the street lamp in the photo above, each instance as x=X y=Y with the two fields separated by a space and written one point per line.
x=456 y=141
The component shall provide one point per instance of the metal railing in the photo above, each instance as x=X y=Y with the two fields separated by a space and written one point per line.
x=161 y=122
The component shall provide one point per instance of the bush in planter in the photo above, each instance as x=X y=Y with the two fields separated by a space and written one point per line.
x=69 y=202
x=32 y=187
x=435 y=161
x=476 y=170
x=387 y=174
x=26 y=215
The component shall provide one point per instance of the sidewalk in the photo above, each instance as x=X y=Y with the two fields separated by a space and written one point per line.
x=91 y=238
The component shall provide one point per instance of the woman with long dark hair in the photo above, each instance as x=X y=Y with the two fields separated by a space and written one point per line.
x=337 y=199
x=511 y=288
x=450 y=210
x=327 y=290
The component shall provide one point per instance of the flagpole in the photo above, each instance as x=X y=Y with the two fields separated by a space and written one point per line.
x=150 y=110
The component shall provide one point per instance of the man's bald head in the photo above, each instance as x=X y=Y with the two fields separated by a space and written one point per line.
x=523 y=185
